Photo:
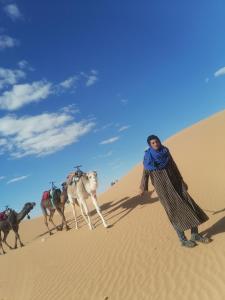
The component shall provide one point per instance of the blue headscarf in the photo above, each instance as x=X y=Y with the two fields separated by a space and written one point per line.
x=156 y=159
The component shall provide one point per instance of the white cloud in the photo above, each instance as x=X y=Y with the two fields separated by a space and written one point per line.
x=22 y=94
x=69 y=82
x=206 y=80
x=220 y=72
x=18 y=179
x=71 y=109
x=10 y=77
x=13 y=11
x=7 y=42
x=2 y=177
x=90 y=78
x=123 y=128
x=24 y=65
x=42 y=134
x=110 y=141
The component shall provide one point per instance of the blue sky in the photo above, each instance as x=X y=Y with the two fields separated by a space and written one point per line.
x=85 y=82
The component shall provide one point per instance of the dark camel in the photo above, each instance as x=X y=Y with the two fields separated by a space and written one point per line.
x=12 y=223
x=57 y=203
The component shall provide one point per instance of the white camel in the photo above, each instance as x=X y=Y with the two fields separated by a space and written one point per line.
x=80 y=189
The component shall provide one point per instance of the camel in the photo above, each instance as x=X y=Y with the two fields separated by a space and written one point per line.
x=57 y=203
x=79 y=187
x=12 y=223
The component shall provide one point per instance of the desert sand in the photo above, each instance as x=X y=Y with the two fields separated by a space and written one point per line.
x=140 y=256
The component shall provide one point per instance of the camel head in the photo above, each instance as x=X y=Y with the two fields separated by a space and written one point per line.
x=64 y=186
x=28 y=207
x=93 y=179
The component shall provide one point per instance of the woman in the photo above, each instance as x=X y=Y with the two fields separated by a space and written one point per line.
x=181 y=209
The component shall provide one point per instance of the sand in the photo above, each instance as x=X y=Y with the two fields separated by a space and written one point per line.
x=139 y=257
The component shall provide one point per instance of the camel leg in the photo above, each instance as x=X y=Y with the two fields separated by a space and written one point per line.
x=60 y=211
x=82 y=213
x=17 y=237
x=94 y=200
x=46 y=223
x=3 y=251
x=64 y=218
x=21 y=244
x=74 y=214
x=87 y=218
x=63 y=203
x=4 y=239
x=73 y=210
x=15 y=245
x=51 y=220
x=45 y=214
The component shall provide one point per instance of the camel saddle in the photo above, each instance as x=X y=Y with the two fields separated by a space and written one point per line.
x=3 y=216
x=73 y=177
x=46 y=195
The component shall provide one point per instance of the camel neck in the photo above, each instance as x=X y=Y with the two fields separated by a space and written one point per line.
x=21 y=215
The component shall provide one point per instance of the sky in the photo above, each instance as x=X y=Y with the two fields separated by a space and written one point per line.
x=84 y=82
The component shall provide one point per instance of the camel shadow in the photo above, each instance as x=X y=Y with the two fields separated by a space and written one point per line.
x=217 y=228
x=125 y=206
x=70 y=222
x=119 y=209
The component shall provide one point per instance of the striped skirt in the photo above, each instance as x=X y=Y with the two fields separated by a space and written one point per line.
x=180 y=208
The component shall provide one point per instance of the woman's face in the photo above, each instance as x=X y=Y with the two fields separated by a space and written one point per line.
x=155 y=144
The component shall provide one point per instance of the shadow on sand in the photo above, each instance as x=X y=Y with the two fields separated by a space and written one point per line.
x=218 y=211
x=124 y=206
x=218 y=227
x=119 y=210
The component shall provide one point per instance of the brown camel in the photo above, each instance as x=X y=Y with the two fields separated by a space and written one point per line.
x=12 y=222
x=51 y=204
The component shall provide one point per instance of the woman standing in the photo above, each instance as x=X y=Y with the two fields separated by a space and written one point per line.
x=181 y=209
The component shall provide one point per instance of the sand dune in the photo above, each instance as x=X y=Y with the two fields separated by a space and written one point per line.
x=139 y=257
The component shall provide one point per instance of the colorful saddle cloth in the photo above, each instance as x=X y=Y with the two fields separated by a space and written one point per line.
x=3 y=216
x=46 y=195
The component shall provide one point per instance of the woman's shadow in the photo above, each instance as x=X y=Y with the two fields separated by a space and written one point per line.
x=218 y=227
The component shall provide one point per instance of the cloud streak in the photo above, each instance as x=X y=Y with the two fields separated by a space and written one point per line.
x=110 y=140
x=123 y=128
x=16 y=179
x=69 y=82
x=220 y=72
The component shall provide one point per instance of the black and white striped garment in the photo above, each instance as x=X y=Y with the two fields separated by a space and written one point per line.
x=181 y=209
